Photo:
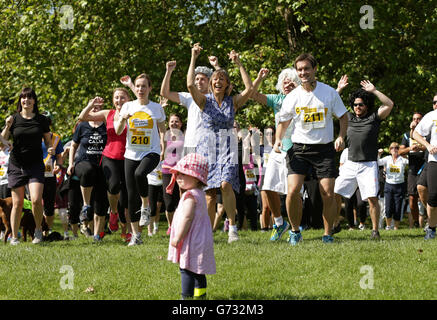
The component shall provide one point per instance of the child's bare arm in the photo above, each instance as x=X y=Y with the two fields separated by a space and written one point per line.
x=189 y=205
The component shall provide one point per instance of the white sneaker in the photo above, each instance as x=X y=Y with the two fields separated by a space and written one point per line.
x=145 y=217
x=232 y=236
x=14 y=241
x=37 y=237
x=134 y=241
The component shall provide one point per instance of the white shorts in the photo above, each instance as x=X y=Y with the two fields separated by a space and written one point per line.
x=275 y=177
x=362 y=175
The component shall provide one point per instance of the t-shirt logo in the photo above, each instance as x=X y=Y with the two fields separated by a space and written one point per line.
x=140 y=129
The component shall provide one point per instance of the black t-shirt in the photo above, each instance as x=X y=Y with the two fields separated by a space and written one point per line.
x=362 y=137
x=27 y=135
x=91 y=142
x=415 y=159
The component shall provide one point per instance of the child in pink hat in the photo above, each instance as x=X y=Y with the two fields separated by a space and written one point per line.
x=191 y=241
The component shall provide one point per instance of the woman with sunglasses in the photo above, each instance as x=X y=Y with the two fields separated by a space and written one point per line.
x=394 y=187
x=362 y=141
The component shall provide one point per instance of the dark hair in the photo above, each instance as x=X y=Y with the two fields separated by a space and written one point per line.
x=180 y=119
x=28 y=93
x=417 y=112
x=306 y=56
x=368 y=99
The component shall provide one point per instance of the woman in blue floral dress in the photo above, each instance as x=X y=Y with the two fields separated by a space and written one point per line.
x=218 y=141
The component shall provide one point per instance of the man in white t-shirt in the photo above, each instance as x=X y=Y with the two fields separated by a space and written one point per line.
x=194 y=118
x=311 y=107
x=427 y=126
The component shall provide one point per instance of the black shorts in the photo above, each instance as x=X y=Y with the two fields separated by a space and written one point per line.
x=422 y=177
x=301 y=158
x=19 y=177
x=412 y=184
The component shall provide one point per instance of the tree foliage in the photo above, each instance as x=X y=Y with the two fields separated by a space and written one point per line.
x=111 y=38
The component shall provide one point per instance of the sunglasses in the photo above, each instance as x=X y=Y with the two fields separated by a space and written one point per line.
x=434 y=102
x=359 y=104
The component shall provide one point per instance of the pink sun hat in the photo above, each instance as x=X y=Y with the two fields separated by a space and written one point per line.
x=192 y=164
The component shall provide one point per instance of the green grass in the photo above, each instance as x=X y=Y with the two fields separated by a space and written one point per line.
x=404 y=267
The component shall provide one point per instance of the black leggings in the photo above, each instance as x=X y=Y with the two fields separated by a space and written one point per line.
x=431 y=175
x=171 y=200
x=355 y=202
x=49 y=195
x=136 y=182
x=91 y=175
x=191 y=280
x=155 y=196
x=115 y=181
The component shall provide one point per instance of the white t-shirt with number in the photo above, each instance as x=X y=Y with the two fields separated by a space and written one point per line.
x=428 y=125
x=311 y=113
x=394 y=170
x=142 y=134
x=194 y=119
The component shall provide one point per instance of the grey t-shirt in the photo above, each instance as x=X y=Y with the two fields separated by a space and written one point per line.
x=362 y=137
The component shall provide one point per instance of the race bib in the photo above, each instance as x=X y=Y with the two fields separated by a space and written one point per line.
x=250 y=175
x=312 y=117
x=140 y=131
x=394 y=169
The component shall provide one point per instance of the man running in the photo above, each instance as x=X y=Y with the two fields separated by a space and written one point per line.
x=311 y=106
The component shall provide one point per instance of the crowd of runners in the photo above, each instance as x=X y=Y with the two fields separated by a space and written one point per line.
x=116 y=172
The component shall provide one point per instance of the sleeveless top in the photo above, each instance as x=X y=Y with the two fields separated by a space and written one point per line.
x=116 y=144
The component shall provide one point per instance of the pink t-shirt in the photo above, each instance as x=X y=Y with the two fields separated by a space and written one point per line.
x=115 y=144
x=196 y=253
x=173 y=151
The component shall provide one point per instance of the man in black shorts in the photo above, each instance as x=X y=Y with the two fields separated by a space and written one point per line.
x=416 y=159
x=311 y=107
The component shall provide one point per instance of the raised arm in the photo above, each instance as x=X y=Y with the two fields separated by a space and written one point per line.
x=387 y=104
x=241 y=98
x=198 y=97
x=342 y=83
x=127 y=81
x=165 y=85
x=87 y=115
x=259 y=97
x=214 y=62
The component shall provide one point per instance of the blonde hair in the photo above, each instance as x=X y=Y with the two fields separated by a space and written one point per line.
x=124 y=90
x=225 y=74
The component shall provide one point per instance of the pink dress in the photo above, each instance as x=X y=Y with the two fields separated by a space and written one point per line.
x=196 y=253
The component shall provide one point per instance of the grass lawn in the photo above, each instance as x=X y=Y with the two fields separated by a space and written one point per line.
x=400 y=266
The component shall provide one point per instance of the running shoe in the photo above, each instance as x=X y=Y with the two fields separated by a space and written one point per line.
x=375 y=235
x=429 y=234
x=145 y=217
x=327 y=239
x=84 y=214
x=232 y=236
x=294 y=238
x=135 y=241
x=14 y=241
x=278 y=231
x=97 y=239
x=37 y=237
x=361 y=227
x=113 y=221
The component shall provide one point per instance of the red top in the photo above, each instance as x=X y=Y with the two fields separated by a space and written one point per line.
x=116 y=144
